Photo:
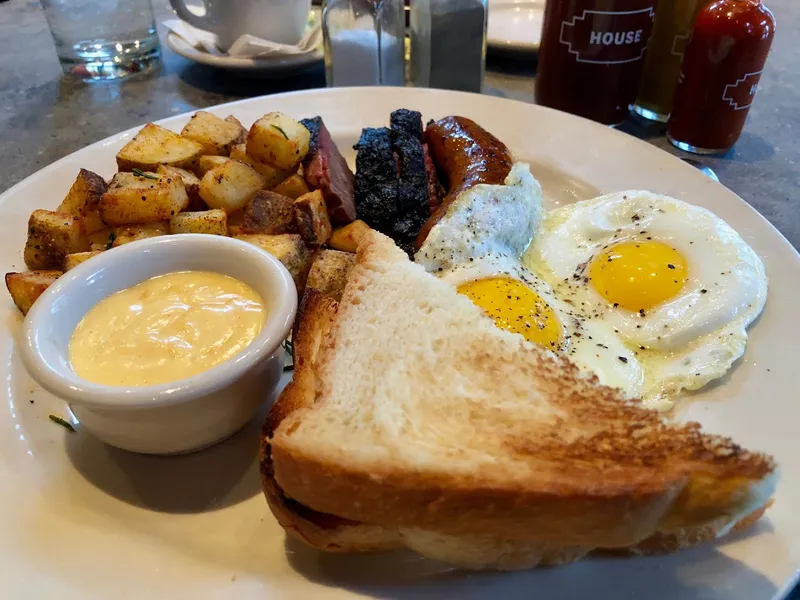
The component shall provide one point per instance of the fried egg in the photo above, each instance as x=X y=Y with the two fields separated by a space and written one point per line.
x=477 y=246
x=675 y=282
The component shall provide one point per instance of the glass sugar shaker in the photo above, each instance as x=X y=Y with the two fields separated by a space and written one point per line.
x=364 y=42
x=448 y=44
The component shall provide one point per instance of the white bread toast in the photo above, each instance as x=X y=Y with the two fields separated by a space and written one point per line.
x=413 y=421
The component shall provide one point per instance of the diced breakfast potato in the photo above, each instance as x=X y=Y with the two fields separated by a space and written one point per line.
x=102 y=240
x=287 y=248
x=278 y=140
x=83 y=198
x=311 y=218
x=25 y=288
x=154 y=146
x=51 y=236
x=134 y=233
x=230 y=186
x=269 y=213
x=348 y=238
x=145 y=198
x=272 y=175
x=207 y=162
x=213 y=222
x=293 y=186
x=215 y=135
x=329 y=272
x=235 y=222
x=242 y=138
x=73 y=260
x=190 y=182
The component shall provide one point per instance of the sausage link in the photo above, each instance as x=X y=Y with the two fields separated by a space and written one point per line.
x=465 y=155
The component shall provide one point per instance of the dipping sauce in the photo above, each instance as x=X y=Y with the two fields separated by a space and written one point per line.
x=166 y=328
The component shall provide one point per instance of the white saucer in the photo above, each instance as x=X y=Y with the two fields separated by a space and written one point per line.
x=272 y=67
x=515 y=25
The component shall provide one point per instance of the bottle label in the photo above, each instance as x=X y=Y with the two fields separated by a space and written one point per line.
x=608 y=37
x=740 y=93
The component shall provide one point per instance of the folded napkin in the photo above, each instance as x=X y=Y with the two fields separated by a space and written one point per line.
x=246 y=46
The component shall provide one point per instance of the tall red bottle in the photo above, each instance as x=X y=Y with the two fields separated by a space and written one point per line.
x=591 y=56
x=721 y=70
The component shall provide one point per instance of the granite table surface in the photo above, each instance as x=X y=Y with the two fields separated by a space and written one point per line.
x=44 y=116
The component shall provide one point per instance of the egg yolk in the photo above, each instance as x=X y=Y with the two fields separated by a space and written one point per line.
x=638 y=275
x=515 y=307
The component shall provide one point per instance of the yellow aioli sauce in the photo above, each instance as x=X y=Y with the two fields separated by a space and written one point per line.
x=166 y=328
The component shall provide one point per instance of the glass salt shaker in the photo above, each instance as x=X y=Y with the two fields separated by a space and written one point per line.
x=448 y=44
x=364 y=42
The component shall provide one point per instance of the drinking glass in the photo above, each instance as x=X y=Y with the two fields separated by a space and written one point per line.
x=103 y=39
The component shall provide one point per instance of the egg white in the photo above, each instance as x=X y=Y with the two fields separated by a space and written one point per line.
x=484 y=234
x=688 y=340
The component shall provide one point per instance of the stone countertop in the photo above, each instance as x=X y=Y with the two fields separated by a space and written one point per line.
x=44 y=116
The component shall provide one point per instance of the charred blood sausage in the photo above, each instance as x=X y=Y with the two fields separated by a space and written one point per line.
x=465 y=155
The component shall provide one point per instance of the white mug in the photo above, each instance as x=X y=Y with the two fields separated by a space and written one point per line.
x=282 y=21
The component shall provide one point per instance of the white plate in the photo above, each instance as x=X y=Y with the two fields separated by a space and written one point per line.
x=275 y=67
x=79 y=520
x=515 y=25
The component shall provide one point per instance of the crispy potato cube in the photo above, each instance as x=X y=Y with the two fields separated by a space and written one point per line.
x=329 y=272
x=287 y=248
x=278 y=140
x=311 y=218
x=207 y=162
x=101 y=240
x=154 y=146
x=293 y=186
x=190 y=182
x=51 y=236
x=25 y=288
x=83 y=198
x=73 y=260
x=230 y=186
x=134 y=199
x=348 y=238
x=134 y=233
x=269 y=213
x=242 y=129
x=215 y=135
x=272 y=176
x=213 y=222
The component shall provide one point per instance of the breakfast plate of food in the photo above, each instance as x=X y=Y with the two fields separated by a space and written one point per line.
x=518 y=339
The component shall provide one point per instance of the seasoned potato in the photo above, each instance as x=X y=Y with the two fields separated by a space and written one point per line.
x=207 y=162
x=190 y=182
x=287 y=248
x=51 y=236
x=154 y=146
x=278 y=140
x=83 y=198
x=230 y=186
x=25 y=288
x=293 y=186
x=102 y=240
x=272 y=175
x=329 y=272
x=242 y=129
x=133 y=233
x=215 y=135
x=134 y=199
x=235 y=222
x=73 y=260
x=269 y=213
x=311 y=218
x=348 y=238
x=208 y=221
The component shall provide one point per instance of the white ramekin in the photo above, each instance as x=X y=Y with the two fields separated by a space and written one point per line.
x=185 y=415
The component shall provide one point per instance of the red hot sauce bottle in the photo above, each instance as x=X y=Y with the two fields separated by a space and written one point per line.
x=591 y=56
x=721 y=69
